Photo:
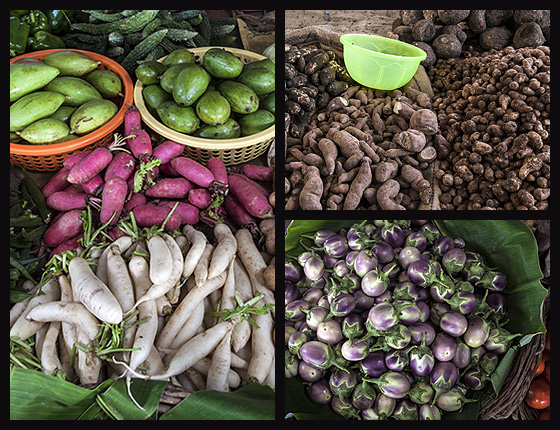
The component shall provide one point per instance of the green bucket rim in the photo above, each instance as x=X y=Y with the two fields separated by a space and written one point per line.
x=421 y=53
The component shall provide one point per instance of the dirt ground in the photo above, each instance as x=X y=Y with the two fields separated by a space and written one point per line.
x=343 y=21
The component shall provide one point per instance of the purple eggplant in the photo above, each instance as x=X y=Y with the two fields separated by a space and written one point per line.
x=396 y=360
x=462 y=301
x=363 y=301
x=392 y=234
x=314 y=316
x=477 y=332
x=444 y=347
x=488 y=362
x=492 y=280
x=405 y=410
x=475 y=378
x=384 y=405
x=410 y=314
x=343 y=406
x=354 y=351
x=374 y=283
x=293 y=310
x=443 y=377
x=417 y=240
x=430 y=231
x=497 y=303
x=291 y=363
x=318 y=354
x=420 y=273
x=329 y=332
x=342 y=305
x=373 y=364
x=422 y=360
x=442 y=245
x=406 y=291
x=365 y=261
x=452 y=400
x=320 y=236
x=398 y=337
x=429 y=412
x=336 y=246
x=462 y=356
x=363 y=396
x=392 y=384
x=384 y=252
x=453 y=323
x=341 y=269
x=291 y=293
x=292 y=271
x=453 y=261
x=353 y=326
x=314 y=268
x=342 y=382
x=474 y=268
x=312 y=295
x=499 y=340
x=383 y=316
x=419 y=330
x=409 y=254
x=296 y=341
x=309 y=373
x=319 y=392
x=303 y=257
x=421 y=392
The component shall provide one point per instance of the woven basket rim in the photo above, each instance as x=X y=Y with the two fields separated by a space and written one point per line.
x=197 y=142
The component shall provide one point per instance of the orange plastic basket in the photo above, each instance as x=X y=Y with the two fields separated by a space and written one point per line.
x=50 y=157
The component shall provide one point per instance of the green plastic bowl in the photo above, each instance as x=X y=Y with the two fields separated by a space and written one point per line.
x=379 y=62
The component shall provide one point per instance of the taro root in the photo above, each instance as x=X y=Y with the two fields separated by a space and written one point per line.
x=447 y=46
x=495 y=38
x=430 y=54
x=528 y=35
x=453 y=16
x=424 y=30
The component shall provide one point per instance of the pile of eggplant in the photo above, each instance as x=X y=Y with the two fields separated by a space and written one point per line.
x=391 y=319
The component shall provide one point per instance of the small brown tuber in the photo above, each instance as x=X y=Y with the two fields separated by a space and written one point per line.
x=424 y=120
x=386 y=196
x=310 y=195
x=411 y=140
x=359 y=184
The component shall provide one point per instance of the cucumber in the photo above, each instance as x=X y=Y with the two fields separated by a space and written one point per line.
x=131 y=24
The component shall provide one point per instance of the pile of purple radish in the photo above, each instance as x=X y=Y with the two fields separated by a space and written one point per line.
x=392 y=320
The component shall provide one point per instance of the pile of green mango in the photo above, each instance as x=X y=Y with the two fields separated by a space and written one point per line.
x=218 y=98
x=59 y=98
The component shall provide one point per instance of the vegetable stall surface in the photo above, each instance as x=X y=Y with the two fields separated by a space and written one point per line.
x=397 y=319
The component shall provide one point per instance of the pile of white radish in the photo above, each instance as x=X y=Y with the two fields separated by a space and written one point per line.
x=183 y=303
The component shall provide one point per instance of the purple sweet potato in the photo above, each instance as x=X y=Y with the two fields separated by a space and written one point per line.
x=218 y=169
x=136 y=199
x=64 y=227
x=113 y=198
x=140 y=145
x=122 y=165
x=94 y=185
x=58 y=182
x=167 y=151
x=193 y=171
x=189 y=213
x=258 y=173
x=249 y=195
x=132 y=121
x=89 y=166
x=200 y=197
x=149 y=215
x=170 y=188
x=67 y=200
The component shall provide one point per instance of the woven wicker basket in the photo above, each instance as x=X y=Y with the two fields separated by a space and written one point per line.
x=51 y=157
x=231 y=151
x=510 y=403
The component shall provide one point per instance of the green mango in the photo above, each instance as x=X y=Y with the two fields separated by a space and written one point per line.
x=77 y=91
x=33 y=107
x=168 y=77
x=269 y=103
x=153 y=97
x=179 y=56
x=255 y=122
x=228 y=130
x=28 y=77
x=190 y=84
x=212 y=108
x=149 y=72
x=45 y=131
x=260 y=79
x=221 y=63
x=266 y=63
x=92 y=115
x=241 y=98
x=106 y=82
x=63 y=113
x=179 y=118
x=71 y=63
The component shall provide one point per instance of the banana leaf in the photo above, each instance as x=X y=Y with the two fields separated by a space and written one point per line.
x=36 y=396
x=508 y=245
